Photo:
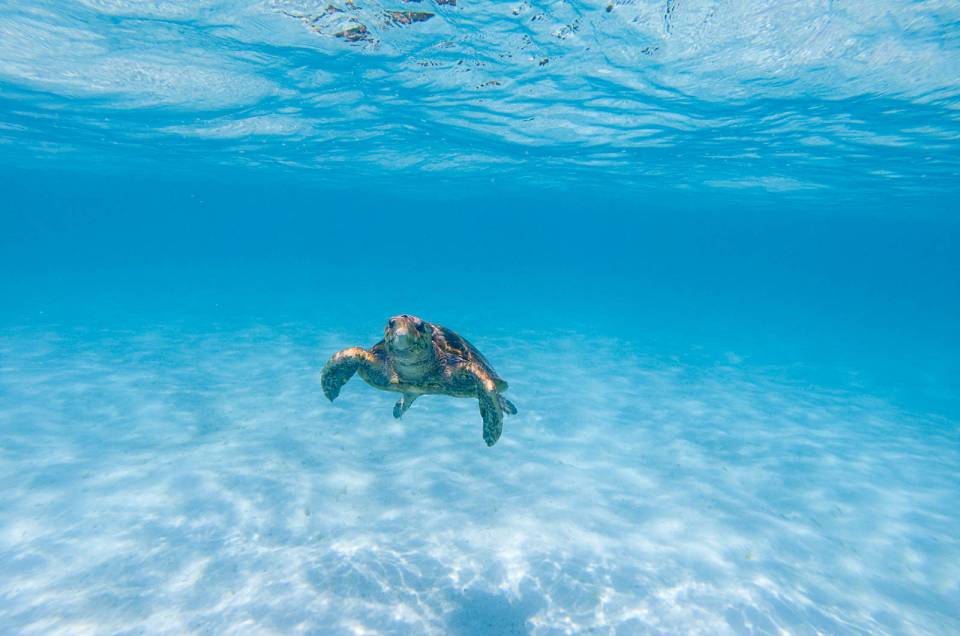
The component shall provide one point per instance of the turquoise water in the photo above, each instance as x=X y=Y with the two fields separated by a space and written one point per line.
x=712 y=247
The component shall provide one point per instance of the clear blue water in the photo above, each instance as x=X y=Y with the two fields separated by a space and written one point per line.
x=712 y=246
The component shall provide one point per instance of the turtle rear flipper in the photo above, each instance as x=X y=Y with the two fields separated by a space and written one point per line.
x=507 y=406
x=403 y=404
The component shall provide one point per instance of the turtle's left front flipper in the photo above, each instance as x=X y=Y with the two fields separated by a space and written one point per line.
x=341 y=367
x=491 y=408
x=492 y=414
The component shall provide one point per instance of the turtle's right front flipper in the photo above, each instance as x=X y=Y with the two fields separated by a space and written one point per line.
x=341 y=368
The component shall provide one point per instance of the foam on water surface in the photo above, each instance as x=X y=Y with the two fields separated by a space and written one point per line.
x=173 y=480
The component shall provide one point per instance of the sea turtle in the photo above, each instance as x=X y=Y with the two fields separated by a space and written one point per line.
x=417 y=358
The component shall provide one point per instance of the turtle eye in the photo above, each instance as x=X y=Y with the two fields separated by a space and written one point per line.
x=393 y=323
x=420 y=327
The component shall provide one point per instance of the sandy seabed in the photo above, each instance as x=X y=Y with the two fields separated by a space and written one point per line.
x=169 y=481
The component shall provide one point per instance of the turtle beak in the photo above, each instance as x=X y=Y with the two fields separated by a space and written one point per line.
x=402 y=339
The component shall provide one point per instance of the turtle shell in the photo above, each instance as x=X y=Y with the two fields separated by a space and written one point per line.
x=453 y=344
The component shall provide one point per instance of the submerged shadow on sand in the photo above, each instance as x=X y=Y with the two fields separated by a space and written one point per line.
x=481 y=614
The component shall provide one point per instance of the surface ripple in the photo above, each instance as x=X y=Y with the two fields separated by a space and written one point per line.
x=802 y=97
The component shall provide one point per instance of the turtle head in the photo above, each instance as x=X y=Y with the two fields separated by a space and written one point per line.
x=407 y=334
